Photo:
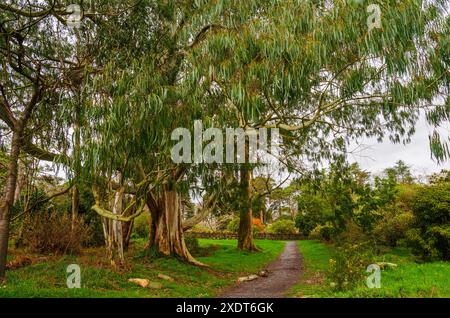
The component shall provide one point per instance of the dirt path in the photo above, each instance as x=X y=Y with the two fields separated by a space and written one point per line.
x=284 y=272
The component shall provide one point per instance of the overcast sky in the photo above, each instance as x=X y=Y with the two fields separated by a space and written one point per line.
x=375 y=157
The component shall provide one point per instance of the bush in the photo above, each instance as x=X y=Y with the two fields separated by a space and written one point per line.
x=323 y=232
x=198 y=228
x=312 y=211
x=223 y=221
x=233 y=225
x=282 y=227
x=258 y=227
x=94 y=222
x=393 y=227
x=47 y=232
x=348 y=265
x=353 y=233
x=430 y=238
x=433 y=244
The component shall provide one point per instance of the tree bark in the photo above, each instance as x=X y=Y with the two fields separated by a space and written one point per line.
x=21 y=178
x=245 y=233
x=8 y=198
x=75 y=204
x=112 y=230
x=166 y=232
x=77 y=165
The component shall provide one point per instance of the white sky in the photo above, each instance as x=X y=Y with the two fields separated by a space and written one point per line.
x=375 y=157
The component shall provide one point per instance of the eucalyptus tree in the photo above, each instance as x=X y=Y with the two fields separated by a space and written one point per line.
x=29 y=84
x=330 y=72
x=141 y=98
x=43 y=71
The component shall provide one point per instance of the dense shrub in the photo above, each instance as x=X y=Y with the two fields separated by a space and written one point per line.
x=47 y=232
x=430 y=237
x=391 y=230
x=323 y=232
x=258 y=227
x=353 y=233
x=94 y=222
x=223 y=221
x=348 y=265
x=312 y=211
x=37 y=200
x=282 y=227
x=198 y=228
x=233 y=225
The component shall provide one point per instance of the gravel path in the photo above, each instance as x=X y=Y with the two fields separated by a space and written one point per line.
x=284 y=272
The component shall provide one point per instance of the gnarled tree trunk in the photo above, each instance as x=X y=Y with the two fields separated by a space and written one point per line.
x=166 y=232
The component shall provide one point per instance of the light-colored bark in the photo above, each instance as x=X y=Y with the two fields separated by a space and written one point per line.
x=245 y=233
x=166 y=233
x=8 y=199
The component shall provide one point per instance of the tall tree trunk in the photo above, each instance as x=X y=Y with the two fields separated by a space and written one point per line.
x=21 y=179
x=112 y=230
x=261 y=214
x=127 y=229
x=75 y=204
x=77 y=166
x=8 y=197
x=245 y=234
x=166 y=233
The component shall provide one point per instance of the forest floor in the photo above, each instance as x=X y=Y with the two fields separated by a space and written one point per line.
x=411 y=278
x=47 y=275
x=283 y=273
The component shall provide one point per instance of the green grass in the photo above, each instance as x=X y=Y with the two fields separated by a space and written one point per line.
x=409 y=279
x=98 y=279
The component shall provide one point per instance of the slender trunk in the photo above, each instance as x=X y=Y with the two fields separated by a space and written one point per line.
x=152 y=230
x=127 y=229
x=77 y=166
x=75 y=204
x=166 y=235
x=20 y=182
x=261 y=215
x=117 y=225
x=245 y=234
x=8 y=197
x=113 y=230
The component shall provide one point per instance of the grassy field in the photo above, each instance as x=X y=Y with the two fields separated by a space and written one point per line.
x=409 y=279
x=47 y=276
